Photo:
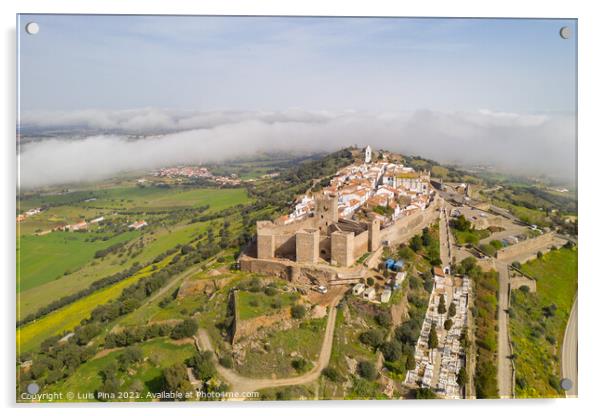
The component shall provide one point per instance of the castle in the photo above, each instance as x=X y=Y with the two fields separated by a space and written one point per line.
x=323 y=237
x=321 y=241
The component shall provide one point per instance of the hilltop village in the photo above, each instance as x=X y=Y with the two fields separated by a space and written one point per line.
x=365 y=206
x=357 y=274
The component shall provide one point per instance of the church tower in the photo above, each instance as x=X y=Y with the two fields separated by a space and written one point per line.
x=367 y=154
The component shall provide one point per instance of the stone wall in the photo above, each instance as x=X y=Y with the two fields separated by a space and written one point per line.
x=325 y=247
x=360 y=244
x=342 y=249
x=265 y=246
x=307 y=246
x=405 y=227
x=264 y=266
x=284 y=245
x=529 y=245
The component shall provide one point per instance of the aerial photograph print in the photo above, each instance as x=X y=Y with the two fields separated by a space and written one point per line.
x=281 y=208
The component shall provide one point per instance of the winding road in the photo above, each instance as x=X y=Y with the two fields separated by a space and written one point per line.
x=569 y=351
x=240 y=383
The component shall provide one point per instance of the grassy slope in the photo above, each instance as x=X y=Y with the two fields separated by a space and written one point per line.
x=538 y=358
x=45 y=258
x=49 y=289
x=161 y=354
x=32 y=299
x=68 y=317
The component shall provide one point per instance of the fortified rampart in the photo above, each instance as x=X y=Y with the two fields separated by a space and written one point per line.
x=405 y=227
x=525 y=246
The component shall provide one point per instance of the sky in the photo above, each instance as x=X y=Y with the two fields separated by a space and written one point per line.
x=444 y=87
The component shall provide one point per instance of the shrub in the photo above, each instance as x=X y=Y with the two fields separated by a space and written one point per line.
x=185 y=329
x=298 y=311
x=410 y=362
x=332 y=374
x=452 y=310
x=367 y=370
x=425 y=394
x=300 y=364
x=391 y=350
x=226 y=361
x=383 y=318
x=448 y=324
x=372 y=337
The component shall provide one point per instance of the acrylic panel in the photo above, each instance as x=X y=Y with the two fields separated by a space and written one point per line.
x=295 y=208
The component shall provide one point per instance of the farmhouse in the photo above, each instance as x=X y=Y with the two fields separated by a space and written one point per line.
x=138 y=224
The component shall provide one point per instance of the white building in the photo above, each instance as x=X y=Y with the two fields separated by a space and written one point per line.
x=358 y=289
x=368 y=154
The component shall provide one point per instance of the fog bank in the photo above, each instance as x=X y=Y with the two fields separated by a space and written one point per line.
x=521 y=143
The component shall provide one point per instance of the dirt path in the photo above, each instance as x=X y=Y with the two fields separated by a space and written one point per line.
x=240 y=383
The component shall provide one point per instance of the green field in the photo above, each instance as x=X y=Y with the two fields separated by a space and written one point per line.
x=470 y=236
x=44 y=258
x=537 y=332
x=155 y=198
x=251 y=305
x=161 y=240
x=161 y=354
x=65 y=319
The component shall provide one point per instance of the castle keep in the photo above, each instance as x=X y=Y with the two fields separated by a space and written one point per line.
x=321 y=238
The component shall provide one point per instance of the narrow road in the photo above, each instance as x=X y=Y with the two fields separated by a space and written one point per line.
x=569 y=351
x=247 y=384
x=504 y=368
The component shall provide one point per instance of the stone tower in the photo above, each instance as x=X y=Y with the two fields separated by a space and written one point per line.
x=327 y=211
x=373 y=235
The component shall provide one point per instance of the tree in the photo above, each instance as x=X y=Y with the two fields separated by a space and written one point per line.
x=391 y=350
x=202 y=365
x=408 y=332
x=433 y=341
x=441 y=309
x=410 y=362
x=462 y=377
x=372 y=337
x=370 y=281
x=129 y=356
x=416 y=243
x=332 y=374
x=452 y=310
x=461 y=223
x=448 y=324
x=185 y=329
x=425 y=394
x=298 y=311
x=175 y=379
x=367 y=370
x=383 y=318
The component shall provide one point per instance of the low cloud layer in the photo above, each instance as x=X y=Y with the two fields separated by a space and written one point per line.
x=525 y=144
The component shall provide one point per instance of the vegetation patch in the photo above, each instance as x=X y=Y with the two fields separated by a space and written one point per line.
x=538 y=321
